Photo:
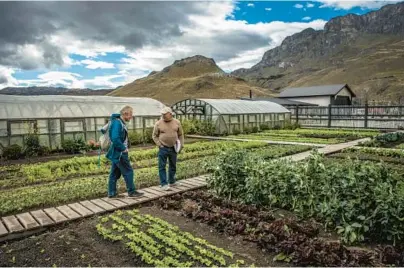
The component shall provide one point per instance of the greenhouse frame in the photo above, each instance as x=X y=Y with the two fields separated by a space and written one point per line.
x=57 y=118
x=228 y=115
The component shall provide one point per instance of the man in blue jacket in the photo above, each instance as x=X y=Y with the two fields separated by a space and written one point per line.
x=118 y=153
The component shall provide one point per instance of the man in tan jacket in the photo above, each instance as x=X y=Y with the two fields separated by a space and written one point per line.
x=166 y=134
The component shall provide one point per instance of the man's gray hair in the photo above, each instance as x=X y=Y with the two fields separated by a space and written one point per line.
x=126 y=109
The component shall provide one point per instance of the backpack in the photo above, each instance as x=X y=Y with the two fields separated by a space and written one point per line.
x=105 y=140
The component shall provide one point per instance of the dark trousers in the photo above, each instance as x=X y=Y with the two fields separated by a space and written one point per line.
x=124 y=168
x=170 y=154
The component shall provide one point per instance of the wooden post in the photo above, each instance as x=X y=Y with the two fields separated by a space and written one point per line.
x=366 y=114
x=329 y=115
x=297 y=114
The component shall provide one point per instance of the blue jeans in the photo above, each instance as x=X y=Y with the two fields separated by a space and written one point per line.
x=124 y=168
x=170 y=154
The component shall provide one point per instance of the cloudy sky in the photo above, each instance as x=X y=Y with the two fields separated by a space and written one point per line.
x=107 y=44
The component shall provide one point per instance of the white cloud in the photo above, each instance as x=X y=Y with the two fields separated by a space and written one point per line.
x=348 y=4
x=250 y=5
x=73 y=80
x=306 y=18
x=268 y=9
x=309 y=5
x=298 y=6
x=232 y=44
x=91 y=64
x=6 y=77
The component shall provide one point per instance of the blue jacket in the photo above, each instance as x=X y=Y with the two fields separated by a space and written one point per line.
x=117 y=134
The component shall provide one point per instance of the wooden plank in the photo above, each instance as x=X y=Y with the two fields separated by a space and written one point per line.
x=196 y=182
x=191 y=185
x=27 y=221
x=3 y=230
x=41 y=217
x=156 y=192
x=149 y=195
x=201 y=179
x=12 y=224
x=181 y=187
x=102 y=204
x=80 y=209
x=115 y=202
x=55 y=215
x=158 y=189
x=90 y=206
x=68 y=212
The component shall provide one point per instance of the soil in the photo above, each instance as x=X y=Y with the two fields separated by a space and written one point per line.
x=78 y=244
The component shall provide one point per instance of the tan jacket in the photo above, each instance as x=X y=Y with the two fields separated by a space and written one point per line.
x=166 y=133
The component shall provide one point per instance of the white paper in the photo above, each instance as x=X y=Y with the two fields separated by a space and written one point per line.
x=178 y=146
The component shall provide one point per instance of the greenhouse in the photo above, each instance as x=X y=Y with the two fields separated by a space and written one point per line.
x=228 y=115
x=57 y=118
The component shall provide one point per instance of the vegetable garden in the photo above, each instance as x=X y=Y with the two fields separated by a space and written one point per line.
x=345 y=209
x=320 y=136
x=46 y=184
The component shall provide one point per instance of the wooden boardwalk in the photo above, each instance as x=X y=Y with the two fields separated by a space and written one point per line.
x=27 y=223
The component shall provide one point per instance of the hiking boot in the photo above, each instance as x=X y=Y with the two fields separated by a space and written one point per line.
x=135 y=194
x=175 y=184
x=116 y=196
x=165 y=187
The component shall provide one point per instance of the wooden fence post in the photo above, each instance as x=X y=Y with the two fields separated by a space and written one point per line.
x=329 y=115
x=366 y=114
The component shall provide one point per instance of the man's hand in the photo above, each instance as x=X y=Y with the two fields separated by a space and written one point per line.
x=126 y=151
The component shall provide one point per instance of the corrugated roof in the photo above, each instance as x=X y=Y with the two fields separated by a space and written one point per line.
x=280 y=101
x=326 y=90
x=231 y=106
x=26 y=107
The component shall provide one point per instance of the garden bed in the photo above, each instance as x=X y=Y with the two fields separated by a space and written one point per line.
x=25 y=187
x=278 y=233
x=320 y=136
x=66 y=247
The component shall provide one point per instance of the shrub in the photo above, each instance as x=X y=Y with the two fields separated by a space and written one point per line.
x=236 y=132
x=205 y=127
x=264 y=127
x=33 y=146
x=188 y=126
x=255 y=130
x=247 y=130
x=135 y=138
x=74 y=146
x=290 y=125
x=148 y=135
x=13 y=152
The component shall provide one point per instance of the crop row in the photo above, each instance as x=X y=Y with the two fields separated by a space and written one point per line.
x=80 y=166
x=160 y=244
x=360 y=199
x=288 y=138
x=377 y=151
x=19 y=199
x=45 y=195
x=43 y=175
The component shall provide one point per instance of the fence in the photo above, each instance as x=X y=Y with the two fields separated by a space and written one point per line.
x=377 y=117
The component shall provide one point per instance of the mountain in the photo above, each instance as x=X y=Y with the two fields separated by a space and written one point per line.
x=193 y=77
x=26 y=91
x=366 y=51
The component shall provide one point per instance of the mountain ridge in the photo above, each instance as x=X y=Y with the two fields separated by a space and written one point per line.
x=353 y=49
